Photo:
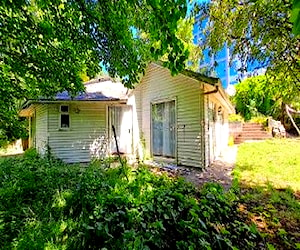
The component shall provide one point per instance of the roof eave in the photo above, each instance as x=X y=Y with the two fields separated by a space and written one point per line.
x=27 y=107
x=26 y=111
x=195 y=75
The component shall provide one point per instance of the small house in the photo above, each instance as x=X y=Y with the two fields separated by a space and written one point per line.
x=180 y=119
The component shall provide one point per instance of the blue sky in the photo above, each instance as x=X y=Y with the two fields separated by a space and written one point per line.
x=191 y=3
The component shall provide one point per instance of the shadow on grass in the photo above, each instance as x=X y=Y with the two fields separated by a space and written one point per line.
x=275 y=212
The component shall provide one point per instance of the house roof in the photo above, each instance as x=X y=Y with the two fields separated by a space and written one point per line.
x=195 y=75
x=104 y=88
x=98 y=89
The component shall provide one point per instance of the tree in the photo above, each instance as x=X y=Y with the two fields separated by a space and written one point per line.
x=295 y=17
x=46 y=46
x=252 y=99
x=265 y=95
x=258 y=32
x=185 y=34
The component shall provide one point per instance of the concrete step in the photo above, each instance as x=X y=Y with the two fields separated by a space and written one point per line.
x=253 y=137
x=253 y=127
x=247 y=140
x=252 y=124
x=262 y=133
x=252 y=131
x=240 y=140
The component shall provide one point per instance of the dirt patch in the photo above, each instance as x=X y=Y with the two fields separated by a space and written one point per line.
x=219 y=171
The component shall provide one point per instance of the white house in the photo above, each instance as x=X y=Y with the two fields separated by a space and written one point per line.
x=181 y=119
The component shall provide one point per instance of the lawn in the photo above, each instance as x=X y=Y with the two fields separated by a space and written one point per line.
x=12 y=149
x=275 y=162
x=268 y=175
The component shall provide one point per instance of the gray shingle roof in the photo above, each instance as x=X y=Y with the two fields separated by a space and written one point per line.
x=96 y=96
x=96 y=90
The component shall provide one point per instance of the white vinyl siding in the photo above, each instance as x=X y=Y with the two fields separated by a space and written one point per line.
x=158 y=85
x=41 y=128
x=87 y=135
x=135 y=101
x=216 y=125
x=206 y=129
x=32 y=130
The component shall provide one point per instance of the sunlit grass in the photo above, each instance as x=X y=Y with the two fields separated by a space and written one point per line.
x=275 y=162
x=12 y=149
x=269 y=176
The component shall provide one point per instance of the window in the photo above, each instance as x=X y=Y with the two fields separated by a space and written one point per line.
x=163 y=129
x=64 y=117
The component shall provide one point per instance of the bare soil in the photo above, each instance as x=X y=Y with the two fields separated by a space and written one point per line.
x=219 y=171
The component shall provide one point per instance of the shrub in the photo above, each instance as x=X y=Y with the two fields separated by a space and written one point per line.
x=48 y=204
x=235 y=118
x=260 y=119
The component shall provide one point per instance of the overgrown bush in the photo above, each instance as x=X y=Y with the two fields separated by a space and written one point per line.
x=235 y=118
x=46 y=204
x=263 y=120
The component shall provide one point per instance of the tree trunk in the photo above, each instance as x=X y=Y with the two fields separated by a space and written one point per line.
x=282 y=113
x=287 y=108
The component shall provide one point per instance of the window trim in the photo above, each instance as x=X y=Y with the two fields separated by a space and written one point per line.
x=64 y=113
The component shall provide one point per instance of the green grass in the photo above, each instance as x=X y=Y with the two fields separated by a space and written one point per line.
x=275 y=162
x=268 y=174
x=11 y=150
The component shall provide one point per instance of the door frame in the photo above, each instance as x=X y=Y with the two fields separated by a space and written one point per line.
x=212 y=133
x=158 y=101
x=109 y=127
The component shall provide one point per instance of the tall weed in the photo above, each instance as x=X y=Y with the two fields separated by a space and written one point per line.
x=46 y=204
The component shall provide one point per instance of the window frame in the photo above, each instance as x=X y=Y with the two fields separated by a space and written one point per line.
x=162 y=101
x=64 y=113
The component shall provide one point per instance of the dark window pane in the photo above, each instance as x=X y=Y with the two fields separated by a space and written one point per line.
x=64 y=108
x=64 y=121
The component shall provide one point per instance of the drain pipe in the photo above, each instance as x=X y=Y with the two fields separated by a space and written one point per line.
x=212 y=91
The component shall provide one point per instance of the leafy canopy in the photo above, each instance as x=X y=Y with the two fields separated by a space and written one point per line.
x=185 y=34
x=252 y=99
x=259 y=32
x=46 y=46
x=295 y=17
x=264 y=95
